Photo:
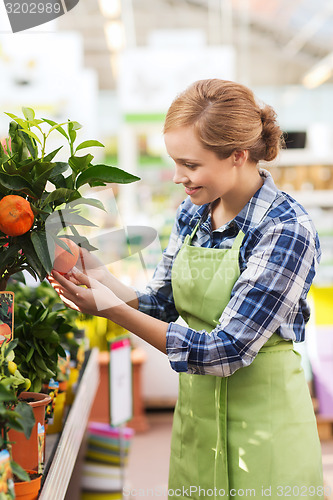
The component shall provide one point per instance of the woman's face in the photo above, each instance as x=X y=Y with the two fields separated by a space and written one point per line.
x=204 y=176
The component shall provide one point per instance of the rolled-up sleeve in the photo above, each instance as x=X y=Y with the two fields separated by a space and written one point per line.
x=277 y=276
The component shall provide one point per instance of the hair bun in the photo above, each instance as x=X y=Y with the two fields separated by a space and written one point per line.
x=271 y=132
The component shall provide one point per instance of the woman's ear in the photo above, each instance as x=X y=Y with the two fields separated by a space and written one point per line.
x=240 y=157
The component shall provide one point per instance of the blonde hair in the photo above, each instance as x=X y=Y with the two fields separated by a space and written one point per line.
x=227 y=118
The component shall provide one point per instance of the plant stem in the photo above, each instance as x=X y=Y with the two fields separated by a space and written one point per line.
x=43 y=146
x=3 y=283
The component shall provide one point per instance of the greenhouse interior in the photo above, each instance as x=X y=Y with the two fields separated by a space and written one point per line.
x=100 y=372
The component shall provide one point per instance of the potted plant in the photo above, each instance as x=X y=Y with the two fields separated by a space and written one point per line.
x=38 y=326
x=40 y=196
x=15 y=414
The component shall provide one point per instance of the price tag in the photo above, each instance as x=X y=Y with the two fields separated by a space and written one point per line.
x=120 y=373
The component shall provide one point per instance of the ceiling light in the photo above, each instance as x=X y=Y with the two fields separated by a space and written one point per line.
x=320 y=73
x=110 y=8
x=115 y=35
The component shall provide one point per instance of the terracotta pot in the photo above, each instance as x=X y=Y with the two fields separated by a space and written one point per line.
x=28 y=490
x=25 y=451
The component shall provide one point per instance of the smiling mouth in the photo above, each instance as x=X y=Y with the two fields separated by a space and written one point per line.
x=192 y=190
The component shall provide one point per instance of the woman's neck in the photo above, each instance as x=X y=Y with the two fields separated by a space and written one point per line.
x=225 y=209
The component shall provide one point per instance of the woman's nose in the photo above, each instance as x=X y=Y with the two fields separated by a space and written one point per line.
x=179 y=176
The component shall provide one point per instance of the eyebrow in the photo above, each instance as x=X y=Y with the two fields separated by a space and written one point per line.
x=184 y=160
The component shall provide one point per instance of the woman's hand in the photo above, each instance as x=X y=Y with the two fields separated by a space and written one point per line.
x=93 y=298
x=90 y=265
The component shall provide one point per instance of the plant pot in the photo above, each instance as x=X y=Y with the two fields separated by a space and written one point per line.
x=58 y=414
x=28 y=490
x=25 y=451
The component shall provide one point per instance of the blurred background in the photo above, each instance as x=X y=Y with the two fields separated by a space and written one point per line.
x=115 y=65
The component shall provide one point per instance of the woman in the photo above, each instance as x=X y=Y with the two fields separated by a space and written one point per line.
x=240 y=260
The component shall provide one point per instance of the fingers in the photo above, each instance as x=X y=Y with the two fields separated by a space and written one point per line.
x=68 y=302
x=65 y=283
x=82 y=278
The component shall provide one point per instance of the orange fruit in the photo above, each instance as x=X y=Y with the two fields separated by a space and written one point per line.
x=5 y=331
x=16 y=216
x=64 y=260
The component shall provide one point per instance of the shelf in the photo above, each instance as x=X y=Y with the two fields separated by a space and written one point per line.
x=302 y=157
x=62 y=464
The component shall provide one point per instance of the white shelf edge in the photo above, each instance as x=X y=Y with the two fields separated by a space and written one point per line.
x=62 y=466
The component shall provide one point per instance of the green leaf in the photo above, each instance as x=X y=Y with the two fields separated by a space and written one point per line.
x=32 y=257
x=52 y=317
x=76 y=125
x=8 y=255
x=89 y=144
x=29 y=142
x=36 y=386
x=22 y=168
x=31 y=272
x=12 y=116
x=61 y=351
x=87 y=201
x=6 y=394
x=42 y=172
x=59 y=194
x=35 y=122
x=42 y=248
x=63 y=218
x=105 y=173
x=19 y=472
x=16 y=183
x=29 y=113
x=53 y=338
x=42 y=332
x=30 y=353
x=31 y=134
x=80 y=163
x=10 y=346
x=40 y=362
x=27 y=415
x=72 y=134
x=51 y=155
x=56 y=126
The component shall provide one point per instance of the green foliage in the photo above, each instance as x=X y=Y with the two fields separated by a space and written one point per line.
x=27 y=170
x=42 y=324
x=14 y=414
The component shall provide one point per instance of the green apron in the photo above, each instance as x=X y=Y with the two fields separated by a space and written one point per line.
x=253 y=433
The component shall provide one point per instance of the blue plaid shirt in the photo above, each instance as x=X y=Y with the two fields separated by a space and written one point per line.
x=278 y=259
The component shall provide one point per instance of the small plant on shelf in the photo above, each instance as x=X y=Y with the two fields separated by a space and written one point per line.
x=14 y=414
x=42 y=324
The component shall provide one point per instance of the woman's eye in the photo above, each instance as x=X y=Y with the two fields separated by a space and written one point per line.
x=190 y=165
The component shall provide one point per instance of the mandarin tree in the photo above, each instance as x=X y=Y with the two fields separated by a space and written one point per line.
x=51 y=189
